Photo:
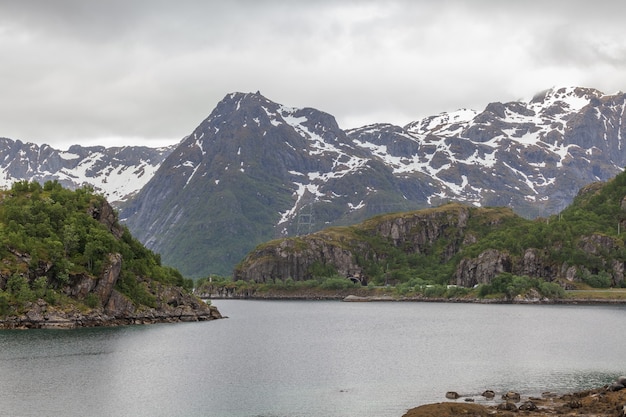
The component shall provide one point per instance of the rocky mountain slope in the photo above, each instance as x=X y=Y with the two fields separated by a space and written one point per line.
x=250 y=172
x=461 y=245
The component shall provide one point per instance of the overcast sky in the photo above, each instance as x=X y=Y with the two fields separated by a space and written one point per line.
x=122 y=72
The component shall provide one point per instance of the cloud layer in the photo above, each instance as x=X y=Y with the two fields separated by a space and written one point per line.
x=147 y=71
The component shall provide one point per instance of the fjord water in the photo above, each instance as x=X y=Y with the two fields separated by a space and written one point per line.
x=310 y=359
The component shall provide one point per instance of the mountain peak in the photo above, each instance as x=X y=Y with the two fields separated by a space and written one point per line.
x=575 y=97
x=238 y=100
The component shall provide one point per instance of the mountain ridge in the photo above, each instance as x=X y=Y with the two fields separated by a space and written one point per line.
x=301 y=172
x=116 y=172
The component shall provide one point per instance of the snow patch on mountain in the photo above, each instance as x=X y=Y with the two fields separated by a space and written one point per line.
x=117 y=173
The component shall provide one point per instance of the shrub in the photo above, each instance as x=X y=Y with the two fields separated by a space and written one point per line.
x=92 y=300
x=600 y=280
x=435 y=291
x=39 y=287
x=18 y=286
x=51 y=297
x=551 y=290
x=456 y=292
x=320 y=270
x=5 y=307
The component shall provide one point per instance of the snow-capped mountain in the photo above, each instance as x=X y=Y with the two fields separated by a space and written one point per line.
x=119 y=173
x=249 y=173
x=533 y=156
x=255 y=169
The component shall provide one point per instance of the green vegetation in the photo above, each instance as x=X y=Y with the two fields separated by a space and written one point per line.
x=51 y=236
x=510 y=286
x=226 y=286
x=586 y=235
x=505 y=286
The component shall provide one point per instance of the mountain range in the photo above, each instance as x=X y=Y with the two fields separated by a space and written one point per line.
x=255 y=170
x=116 y=172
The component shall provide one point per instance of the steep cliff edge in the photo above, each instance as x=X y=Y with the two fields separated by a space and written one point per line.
x=460 y=245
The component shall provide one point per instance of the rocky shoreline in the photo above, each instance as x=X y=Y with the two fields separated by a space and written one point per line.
x=40 y=315
x=607 y=401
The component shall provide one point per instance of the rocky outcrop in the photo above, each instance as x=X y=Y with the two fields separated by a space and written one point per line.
x=535 y=263
x=418 y=231
x=106 y=215
x=293 y=258
x=172 y=304
x=345 y=250
x=490 y=263
x=482 y=269
x=109 y=278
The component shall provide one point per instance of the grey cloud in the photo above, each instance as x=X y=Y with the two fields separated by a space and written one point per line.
x=156 y=68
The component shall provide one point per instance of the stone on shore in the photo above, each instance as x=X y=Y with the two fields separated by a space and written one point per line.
x=599 y=402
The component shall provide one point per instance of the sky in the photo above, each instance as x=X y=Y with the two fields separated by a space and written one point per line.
x=147 y=72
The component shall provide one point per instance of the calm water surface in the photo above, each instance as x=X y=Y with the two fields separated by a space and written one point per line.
x=310 y=359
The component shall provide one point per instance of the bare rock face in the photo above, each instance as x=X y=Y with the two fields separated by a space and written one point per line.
x=618 y=273
x=109 y=278
x=420 y=231
x=597 y=243
x=533 y=264
x=105 y=214
x=482 y=269
x=118 y=305
x=414 y=232
x=292 y=259
x=82 y=285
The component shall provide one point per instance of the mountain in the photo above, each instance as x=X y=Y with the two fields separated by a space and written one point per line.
x=250 y=172
x=461 y=245
x=532 y=155
x=117 y=172
x=256 y=170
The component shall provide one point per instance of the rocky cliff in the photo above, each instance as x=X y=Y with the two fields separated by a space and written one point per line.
x=350 y=251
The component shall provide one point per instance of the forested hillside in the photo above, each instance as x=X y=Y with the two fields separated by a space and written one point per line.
x=64 y=252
